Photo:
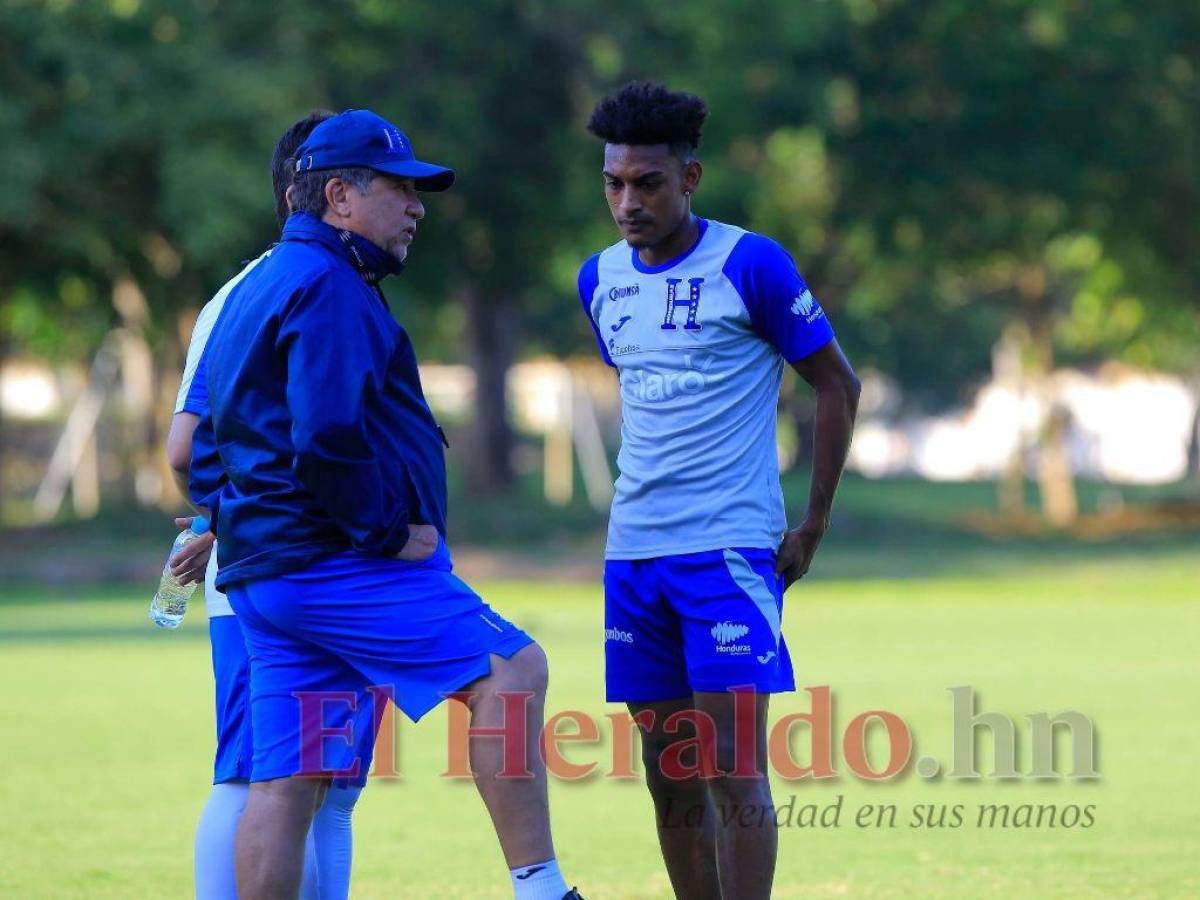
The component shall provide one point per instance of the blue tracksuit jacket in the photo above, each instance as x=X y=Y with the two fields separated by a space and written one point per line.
x=318 y=438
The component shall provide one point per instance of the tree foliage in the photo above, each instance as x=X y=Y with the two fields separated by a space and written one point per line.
x=938 y=169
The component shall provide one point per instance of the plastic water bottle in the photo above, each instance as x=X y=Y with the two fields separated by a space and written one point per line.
x=170 y=604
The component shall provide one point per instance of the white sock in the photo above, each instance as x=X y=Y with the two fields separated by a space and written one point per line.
x=215 y=834
x=335 y=841
x=541 y=881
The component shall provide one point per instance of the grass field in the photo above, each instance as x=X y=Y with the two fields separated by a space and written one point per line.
x=105 y=733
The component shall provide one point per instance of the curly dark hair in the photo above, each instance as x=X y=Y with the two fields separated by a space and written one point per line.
x=643 y=112
x=283 y=160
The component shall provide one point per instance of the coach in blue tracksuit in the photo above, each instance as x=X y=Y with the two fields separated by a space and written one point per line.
x=332 y=509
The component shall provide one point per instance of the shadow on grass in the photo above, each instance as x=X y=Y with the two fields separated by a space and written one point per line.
x=95 y=633
x=901 y=528
x=888 y=528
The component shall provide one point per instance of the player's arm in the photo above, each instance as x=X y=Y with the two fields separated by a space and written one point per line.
x=188 y=564
x=784 y=313
x=179 y=448
x=837 y=389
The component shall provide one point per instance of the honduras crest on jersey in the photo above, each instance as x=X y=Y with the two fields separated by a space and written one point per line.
x=700 y=344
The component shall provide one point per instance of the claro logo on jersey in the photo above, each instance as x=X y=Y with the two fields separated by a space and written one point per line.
x=692 y=379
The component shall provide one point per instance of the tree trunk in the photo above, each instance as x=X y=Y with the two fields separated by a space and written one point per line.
x=1008 y=371
x=1056 y=481
x=1193 y=451
x=491 y=337
x=166 y=389
x=3 y=357
x=138 y=378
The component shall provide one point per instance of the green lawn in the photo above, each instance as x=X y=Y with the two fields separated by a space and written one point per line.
x=105 y=733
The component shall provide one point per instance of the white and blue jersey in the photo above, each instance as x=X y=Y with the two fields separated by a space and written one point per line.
x=692 y=601
x=700 y=344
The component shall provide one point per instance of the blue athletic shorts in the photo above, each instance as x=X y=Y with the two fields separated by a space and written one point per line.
x=235 y=743
x=705 y=621
x=231 y=674
x=348 y=623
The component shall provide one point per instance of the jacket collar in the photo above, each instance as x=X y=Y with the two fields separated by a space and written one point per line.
x=371 y=261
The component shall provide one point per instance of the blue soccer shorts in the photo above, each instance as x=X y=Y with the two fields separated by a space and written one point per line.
x=349 y=623
x=706 y=621
x=235 y=741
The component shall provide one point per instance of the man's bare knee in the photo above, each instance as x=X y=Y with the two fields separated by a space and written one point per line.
x=527 y=670
x=739 y=788
x=660 y=784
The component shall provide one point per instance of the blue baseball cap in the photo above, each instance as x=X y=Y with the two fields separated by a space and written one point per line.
x=359 y=138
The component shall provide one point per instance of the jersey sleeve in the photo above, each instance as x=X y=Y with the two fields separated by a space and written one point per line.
x=783 y=311
x=193 y=389
x=194 y=374
x=589 y=280
x=196 y=401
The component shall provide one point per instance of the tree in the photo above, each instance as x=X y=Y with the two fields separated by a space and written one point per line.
x=134 y=189
x=962 y=171
x=1017 y=136
x=945 y=173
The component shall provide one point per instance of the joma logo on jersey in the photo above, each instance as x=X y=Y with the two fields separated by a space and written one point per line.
x=619 y=293
x=692 y=303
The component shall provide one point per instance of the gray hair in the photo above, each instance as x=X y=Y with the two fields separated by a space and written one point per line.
x=308 y=190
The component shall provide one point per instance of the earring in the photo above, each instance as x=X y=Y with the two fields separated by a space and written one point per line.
x=687 y=193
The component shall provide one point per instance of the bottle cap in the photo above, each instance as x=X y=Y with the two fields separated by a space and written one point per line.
x=200 y=525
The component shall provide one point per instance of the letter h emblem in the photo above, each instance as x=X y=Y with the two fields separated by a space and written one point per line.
x=692 y=303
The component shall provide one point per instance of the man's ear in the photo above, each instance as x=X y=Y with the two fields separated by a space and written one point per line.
x=336 y=195
x=289 y=197
x=692 y=173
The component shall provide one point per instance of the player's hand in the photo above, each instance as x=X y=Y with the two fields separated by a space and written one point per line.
x=798 y=548
x=188 y=564
x=422 y=542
